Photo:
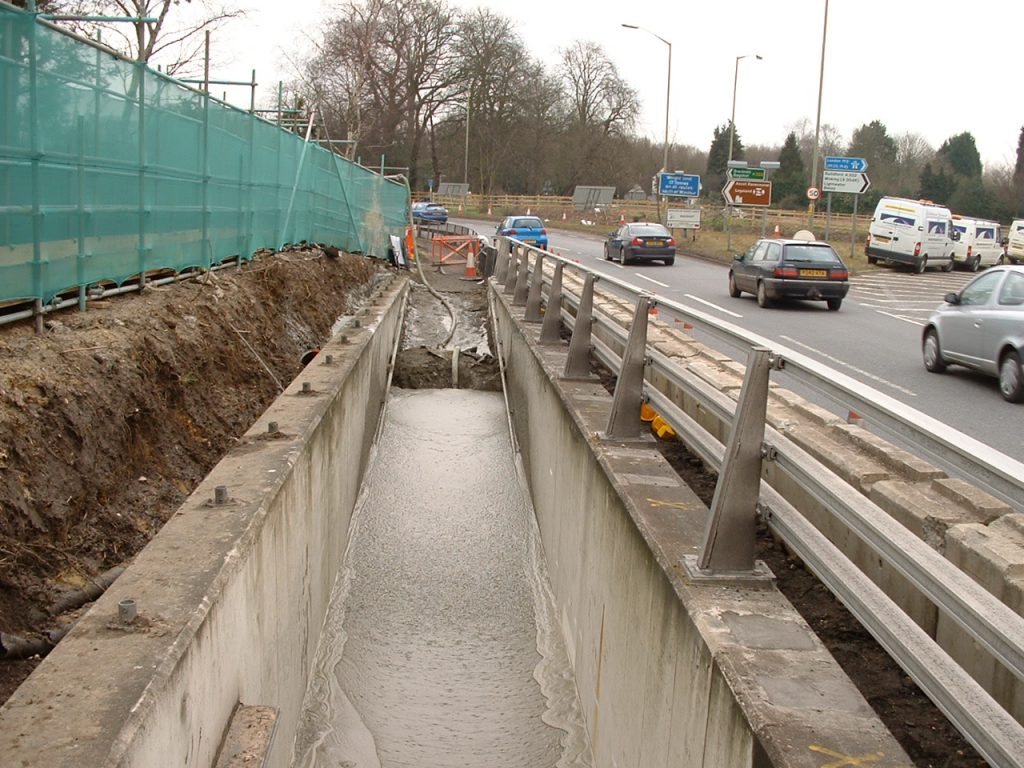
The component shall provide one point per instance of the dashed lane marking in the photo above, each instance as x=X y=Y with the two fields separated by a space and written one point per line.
x=652 y=280
x=713 y=306
x=844 y=364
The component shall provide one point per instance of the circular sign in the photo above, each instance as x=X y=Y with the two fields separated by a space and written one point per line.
x=813 y=193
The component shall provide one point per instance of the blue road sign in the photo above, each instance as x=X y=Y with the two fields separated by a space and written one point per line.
x=678 y=185
x=856 y=164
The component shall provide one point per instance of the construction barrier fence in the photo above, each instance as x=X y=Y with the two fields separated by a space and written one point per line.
x=110 y=170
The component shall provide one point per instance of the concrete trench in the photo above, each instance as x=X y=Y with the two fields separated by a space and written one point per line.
x=642 y=667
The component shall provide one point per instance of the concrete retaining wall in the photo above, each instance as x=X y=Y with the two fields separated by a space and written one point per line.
x=231 y=597
x=670 y=672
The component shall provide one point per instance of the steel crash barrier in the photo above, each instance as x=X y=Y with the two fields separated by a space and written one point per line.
x=764 y=472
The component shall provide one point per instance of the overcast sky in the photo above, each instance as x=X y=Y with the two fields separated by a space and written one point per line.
x=933 y=67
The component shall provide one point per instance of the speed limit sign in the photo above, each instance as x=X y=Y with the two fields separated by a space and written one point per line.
x=813 y=193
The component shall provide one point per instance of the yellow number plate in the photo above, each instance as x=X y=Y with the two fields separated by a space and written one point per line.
x=655 y=243
x=813 y=273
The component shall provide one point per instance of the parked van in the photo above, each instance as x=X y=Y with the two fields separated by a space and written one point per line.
x=913 y=232
x=980 y=243
x=1015 y=242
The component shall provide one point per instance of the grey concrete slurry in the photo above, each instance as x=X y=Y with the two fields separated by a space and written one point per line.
x=441 y=647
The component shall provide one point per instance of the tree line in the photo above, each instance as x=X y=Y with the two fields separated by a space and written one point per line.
x=454 y=96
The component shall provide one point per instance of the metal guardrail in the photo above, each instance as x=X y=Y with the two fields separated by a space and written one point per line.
x=998 y=629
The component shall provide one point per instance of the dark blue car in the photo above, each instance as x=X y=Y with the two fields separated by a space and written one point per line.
x=525 y=229
x=429 y=213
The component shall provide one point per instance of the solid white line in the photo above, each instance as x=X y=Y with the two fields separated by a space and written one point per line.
x=713 y=306
x=854 y=368
x=651 y=279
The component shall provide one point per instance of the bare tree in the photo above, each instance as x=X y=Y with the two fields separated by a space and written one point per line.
x=913 y=152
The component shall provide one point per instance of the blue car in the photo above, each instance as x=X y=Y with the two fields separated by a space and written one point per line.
x=429 y=213
x=525 y=229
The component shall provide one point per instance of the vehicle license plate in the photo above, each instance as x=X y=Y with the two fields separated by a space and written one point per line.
x=530 y=242
x=813 y=273
x=881 y=239
x=655 y=243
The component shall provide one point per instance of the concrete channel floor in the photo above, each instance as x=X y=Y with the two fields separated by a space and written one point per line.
x=441 y=647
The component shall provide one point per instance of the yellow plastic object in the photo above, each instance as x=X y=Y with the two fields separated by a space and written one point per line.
x=647 y=413
x=662 y=429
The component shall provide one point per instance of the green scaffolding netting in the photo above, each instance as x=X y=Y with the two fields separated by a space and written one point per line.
x=109 y=170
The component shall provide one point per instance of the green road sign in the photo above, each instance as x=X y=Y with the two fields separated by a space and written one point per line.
x=747 y=174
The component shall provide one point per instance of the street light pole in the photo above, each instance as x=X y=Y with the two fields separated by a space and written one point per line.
x=465 y=175
x=735 y=81
x=817 y=124
x=668 y=97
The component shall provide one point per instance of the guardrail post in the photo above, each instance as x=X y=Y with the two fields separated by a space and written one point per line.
x=624 y=420
x=522 y=279
x=551 y=331
x=577 y=364
x=728 y=546
x=533 y=299
x=513 y=268
x=501 y=267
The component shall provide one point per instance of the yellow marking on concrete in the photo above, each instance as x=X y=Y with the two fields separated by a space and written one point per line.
x=846 y=760
x=673 y=504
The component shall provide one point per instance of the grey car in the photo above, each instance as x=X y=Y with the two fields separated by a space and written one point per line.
x=790 y=269
x=982 y=327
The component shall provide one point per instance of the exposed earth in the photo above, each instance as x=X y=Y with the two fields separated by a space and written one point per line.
x=111 y=417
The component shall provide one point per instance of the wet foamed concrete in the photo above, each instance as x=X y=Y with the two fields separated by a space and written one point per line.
x=430 y=654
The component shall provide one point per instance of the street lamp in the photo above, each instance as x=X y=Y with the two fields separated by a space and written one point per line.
x=817 y=124
x=668 y=87
x=735 y=80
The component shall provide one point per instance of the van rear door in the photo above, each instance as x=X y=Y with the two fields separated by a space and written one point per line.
x=895 y=229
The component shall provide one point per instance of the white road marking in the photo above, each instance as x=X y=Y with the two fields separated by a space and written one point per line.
x=904 y=319
x=713 y=306
x=854 y=368
x=651 y=279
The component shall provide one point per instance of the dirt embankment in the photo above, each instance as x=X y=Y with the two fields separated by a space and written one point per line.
x=112 y=416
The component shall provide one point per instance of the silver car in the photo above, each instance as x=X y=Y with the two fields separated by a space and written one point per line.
x=982 y=327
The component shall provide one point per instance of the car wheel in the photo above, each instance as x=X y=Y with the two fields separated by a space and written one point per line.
x=976 y=263
x=948 y=266
x=1011 y=378
x=734 y=291
x=622 y=256
x=833 y=304
x=921 y=265
x=670 y=261
x=762 y=296
x=932 y=352
x=607 y=255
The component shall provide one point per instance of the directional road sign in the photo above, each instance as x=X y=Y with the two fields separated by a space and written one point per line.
x=845 y=181
x=678 y=185
x=846 y=164
x=757 y=174
x=743 y=192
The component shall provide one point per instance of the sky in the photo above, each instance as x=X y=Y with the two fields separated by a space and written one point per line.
x=931 y=67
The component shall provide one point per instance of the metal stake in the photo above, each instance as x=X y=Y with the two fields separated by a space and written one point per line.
x=550 y=332
x=577 y=364
x=522 y=280
x=624 y=420
x=729 y=536
x=502 y=261
x=510 y=275
x=533 y=314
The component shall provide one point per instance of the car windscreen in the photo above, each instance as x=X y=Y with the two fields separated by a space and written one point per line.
x=648 y=231
x=822 y=254
x=528 y=223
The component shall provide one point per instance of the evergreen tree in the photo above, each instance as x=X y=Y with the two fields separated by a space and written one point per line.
x=873 y=142
x=788 y=182
x=1018 y=169
x=937 y=186
x=718 y=160
x=960 y=154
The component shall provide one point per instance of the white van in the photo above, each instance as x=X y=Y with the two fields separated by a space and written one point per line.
x=1015 y=242
x=979 y=244
x=913 y=232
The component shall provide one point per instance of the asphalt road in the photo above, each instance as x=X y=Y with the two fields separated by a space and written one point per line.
x=875 y=337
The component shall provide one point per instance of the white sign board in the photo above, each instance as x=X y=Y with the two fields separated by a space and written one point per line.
x=684 y=218
x=845 y=181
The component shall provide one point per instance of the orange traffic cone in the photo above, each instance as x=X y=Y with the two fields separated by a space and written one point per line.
x=488 y=210
x=777 y=232
x=563 y=215
x=470 y=267
x=622 y=218
x=854 y=418
x=527 y=211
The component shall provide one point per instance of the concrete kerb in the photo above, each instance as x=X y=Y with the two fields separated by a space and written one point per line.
x=231 y=597
x=909 y=488
x=687 y=674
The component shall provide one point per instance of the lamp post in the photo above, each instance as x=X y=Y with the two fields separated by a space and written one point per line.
x=469 y=103
x=735 y=80
x=817 y=124
x=668 y=97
